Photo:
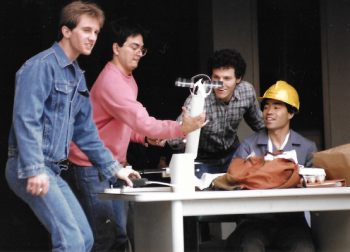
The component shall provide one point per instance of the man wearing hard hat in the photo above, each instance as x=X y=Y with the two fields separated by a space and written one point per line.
x=282 y=231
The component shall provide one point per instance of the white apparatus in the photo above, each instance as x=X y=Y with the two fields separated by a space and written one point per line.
x=199 y=91
x=197 y=105
x=182 y=165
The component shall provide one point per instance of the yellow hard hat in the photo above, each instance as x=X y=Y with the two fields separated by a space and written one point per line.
x=282 y=91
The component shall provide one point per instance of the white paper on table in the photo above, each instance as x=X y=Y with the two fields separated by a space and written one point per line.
x=206 y=179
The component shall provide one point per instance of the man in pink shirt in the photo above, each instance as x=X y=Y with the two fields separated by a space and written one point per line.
x=119 y=118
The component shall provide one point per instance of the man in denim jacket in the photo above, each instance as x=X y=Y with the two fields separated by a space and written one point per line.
x=51 y=108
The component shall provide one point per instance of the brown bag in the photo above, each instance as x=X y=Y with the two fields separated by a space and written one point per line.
x=253 y=174
x=335 y=162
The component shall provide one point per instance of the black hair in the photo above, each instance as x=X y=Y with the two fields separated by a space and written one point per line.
x=291 y=109
x=227 y=58
x=119 y=30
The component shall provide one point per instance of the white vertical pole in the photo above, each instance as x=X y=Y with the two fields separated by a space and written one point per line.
x=178 y=229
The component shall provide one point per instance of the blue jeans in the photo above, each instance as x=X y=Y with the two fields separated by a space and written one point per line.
x=106 y=217
x=59 y=211
x=217 y=165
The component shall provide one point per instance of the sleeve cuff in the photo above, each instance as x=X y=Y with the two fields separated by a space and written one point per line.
x=31 y=171
x=110 y=171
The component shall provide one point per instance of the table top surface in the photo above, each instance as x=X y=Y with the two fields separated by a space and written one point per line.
x=214 y=195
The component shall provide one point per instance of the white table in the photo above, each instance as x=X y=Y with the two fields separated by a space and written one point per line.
x=159 y=215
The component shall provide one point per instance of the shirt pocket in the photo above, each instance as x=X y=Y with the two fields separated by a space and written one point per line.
x=61 y=97
x=79 y=99
x=212 y=127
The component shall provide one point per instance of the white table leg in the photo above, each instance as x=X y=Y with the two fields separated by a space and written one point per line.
x=178 y=227
x=158 y=226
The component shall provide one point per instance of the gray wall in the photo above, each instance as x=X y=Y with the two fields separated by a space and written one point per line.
x=235 y=26
x=335 y=26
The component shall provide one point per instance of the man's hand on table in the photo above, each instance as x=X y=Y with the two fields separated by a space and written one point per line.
x=126 y=174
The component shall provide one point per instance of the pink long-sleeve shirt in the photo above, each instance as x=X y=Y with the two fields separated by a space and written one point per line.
x=120 y=118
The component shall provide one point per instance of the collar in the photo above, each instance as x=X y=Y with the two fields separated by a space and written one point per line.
x=236 y=93
x=62 y=58
x=212 y=97
x=294 y=137
x=263 y=137
x=114 y=68
x=269 y=143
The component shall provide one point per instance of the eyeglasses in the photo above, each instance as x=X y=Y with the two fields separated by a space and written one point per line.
x=138 y=49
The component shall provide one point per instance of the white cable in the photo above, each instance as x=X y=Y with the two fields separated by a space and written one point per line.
x=160 y=183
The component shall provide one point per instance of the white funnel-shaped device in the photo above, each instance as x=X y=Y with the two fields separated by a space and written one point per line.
x=182 y=165
x=197 y=105
x=199 y=94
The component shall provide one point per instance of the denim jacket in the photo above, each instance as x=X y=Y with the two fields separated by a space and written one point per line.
x=52 y=107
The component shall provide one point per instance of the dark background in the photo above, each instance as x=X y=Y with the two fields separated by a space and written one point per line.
x=289 y=49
